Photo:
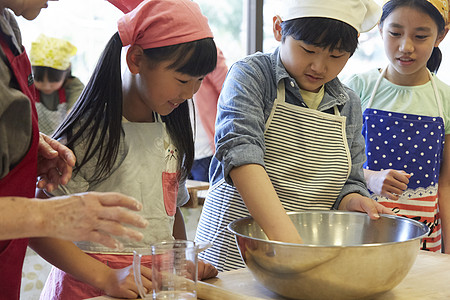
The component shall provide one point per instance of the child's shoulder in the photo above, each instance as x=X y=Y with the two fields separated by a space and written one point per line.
x=259 y=66
x=362 y=82
x=367 y=76
x=10 y=27
x=441 y=85
x=256 y=60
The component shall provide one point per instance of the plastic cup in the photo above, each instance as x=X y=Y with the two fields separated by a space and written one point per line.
x=174 y=270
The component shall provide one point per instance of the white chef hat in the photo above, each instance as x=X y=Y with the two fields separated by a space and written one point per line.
x=362 y=15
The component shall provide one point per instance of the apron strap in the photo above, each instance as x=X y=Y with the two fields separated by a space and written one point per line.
x=157 y=117
x=377 y=84
x=433 y=84
x=437 y=96
x=281 y=92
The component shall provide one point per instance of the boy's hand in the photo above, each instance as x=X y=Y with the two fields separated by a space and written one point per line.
x=357 y=202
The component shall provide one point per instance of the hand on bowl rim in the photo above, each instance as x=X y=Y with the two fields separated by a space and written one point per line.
x=357 y=202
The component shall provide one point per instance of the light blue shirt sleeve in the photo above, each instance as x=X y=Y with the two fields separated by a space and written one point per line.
x=240 y=121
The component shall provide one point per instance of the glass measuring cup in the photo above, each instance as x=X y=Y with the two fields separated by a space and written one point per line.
x=174 y=269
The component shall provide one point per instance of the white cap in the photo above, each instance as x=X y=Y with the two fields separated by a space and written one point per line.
x=362 y=15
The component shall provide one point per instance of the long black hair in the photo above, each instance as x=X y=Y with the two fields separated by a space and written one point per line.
x=96 y=118
x=436 y=56
x=322 y=32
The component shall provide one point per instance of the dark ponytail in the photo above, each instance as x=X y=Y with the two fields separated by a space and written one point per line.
x=435 y=60
x=97 y=115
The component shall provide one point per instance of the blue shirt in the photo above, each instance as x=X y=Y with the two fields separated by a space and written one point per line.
x=245 y=104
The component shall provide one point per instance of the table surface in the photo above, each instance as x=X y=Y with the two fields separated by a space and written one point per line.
x=429 y=278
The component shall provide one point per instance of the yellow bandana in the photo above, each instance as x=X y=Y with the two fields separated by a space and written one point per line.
x=441 y=6
x=51 y=52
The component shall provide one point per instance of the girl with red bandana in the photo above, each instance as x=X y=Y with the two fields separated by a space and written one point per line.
x=132 y=133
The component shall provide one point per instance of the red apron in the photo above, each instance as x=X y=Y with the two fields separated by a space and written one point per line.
x=20 y=181
x=61 y=94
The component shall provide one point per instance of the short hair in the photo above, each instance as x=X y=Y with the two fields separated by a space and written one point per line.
x=322 y=32
x=53 y=75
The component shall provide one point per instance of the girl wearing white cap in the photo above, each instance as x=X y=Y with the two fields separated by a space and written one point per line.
x=288 y=133
x=132 y=133
x=57 y=88
x=407 y=118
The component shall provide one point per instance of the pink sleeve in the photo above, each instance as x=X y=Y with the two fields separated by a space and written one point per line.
x=207 y=96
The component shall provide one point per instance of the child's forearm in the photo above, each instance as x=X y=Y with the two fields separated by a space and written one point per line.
x=179 y=228
x=66 y=256
x=263 y=203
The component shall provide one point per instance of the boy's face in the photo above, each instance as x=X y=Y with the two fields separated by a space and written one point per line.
x=311 y=66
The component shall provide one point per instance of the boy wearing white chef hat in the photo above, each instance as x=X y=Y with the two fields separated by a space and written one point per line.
x=362 y=15
x=288 y=132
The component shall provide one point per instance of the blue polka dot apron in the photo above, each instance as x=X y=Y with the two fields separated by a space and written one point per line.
x=415 y=144
x=308 y=162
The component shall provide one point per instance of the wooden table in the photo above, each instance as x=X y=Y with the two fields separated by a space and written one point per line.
x=429 y=278
x=193 y=187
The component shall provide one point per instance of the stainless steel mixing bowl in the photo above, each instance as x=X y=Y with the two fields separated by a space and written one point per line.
x=345 y=255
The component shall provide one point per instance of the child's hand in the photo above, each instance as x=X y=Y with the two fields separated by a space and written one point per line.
x=120 y=282
x=357 y=202
x=387 y=183
x=206 y=270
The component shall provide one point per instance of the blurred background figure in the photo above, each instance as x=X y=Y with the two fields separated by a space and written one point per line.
x=205 y=103
x=57 y=88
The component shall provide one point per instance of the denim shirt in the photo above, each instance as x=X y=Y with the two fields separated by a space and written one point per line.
x=246 y=102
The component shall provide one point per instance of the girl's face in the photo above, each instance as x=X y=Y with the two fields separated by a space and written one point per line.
x=48 y=87
x=409 y=37
x=311 y=66
x=158 y=89
x=29 y=9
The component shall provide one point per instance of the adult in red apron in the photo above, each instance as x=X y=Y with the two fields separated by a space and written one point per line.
x=308 y=163
x=415 y=144
x=49 y=120
x=20 y=181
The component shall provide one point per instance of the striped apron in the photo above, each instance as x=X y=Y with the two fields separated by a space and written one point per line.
x=308 y=161
x=415 y=144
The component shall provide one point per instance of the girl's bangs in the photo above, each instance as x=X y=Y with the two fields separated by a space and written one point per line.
x=197 y=58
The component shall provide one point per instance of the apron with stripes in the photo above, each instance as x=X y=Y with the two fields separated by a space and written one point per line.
x=308 y=161
x=415 y=144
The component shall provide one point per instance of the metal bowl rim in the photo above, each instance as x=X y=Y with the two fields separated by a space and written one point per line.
x=414 y=222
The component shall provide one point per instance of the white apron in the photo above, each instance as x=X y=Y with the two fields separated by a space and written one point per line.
x=415 y=144
x=148 y=173
x=308 y=161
